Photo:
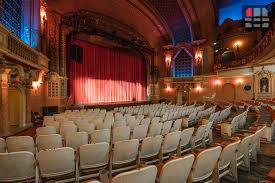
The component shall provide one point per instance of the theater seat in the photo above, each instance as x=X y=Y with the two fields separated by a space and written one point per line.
x=142 y=175
x=17 y=166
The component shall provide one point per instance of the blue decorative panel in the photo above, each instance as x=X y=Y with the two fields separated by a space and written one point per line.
x=11 y=15
x=183 y=64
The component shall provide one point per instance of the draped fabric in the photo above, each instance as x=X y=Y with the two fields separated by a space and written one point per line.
x=106 y=75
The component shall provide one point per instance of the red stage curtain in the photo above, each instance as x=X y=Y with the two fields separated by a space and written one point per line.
x=106 y=75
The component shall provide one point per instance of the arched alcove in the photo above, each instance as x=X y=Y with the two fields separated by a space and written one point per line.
x=17 y=107
x=183 y=64
x=228 y=92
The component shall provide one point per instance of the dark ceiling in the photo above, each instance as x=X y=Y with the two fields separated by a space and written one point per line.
x=171 y=12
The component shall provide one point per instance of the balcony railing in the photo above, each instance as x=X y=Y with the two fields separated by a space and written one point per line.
x=13 y=47
x=18 y=48
x=250 y=56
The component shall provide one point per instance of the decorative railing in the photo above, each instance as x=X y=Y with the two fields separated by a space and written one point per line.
x=12 y=46
x=249 y=57
x=22 y=50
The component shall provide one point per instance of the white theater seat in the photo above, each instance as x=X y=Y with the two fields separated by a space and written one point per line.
x=119 y=123
x=2 y=145
x=67 y=129
x=46 y=130
x=142 y=175
x=58 y=162
x=86 y=127
x=52 y=141
x=176 y=126
x=150 y=149
x=17 y=167
x=155 y=129
x=92 y=158
x=76 y=139
x=204 y=164
x=185 y=139
x=196 y=140
x=177 y=170
x=20 y=143
x=171 y=143
x=124 y=153
x=243 y=155
x=101 y=136
x=56 y=124
x=155 y=120
x=166 y=127
x=145 y=121
x=121 y=133
x=140 y=132
x=227 y=160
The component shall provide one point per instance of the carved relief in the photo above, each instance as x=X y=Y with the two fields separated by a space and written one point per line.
x=263 y=80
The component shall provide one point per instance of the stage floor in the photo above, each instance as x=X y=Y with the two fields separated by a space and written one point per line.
x=108 y=106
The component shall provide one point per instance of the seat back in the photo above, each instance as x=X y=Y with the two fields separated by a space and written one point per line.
x=145 y=121
x=106 y=125
x=17 y=166
x=176 y=126
x=76 y=139
x=140 y=132
x=155 y=120
x=150 y=146
x=155 y=129
x=20 y=143
x=56 y=124
x=125 y=151
x=243 y=146
x=46 y=130
x=166 y=127
x=177 y=171
x=67 y=129
x=52 y=141
x=86 y=127
x=228 y=154
x=2 y=145
x=199 y=134
x=145 y=175
x=101 y=136
x=121 y=133
x=205 y=163
x=119 y=123
x=171 y=142
x=56 y=162
x=186 y=136
x=93 y=155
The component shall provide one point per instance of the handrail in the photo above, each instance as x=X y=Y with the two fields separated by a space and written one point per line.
x=17 y=47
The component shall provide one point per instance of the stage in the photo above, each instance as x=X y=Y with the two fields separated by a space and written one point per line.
x=108 y=105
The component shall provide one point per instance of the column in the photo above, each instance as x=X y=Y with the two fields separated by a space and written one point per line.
x=4 y=100
x=28 y=90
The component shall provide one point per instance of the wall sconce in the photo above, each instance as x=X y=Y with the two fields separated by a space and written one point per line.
x=168 y=88
x=237 y=45
x=168 y=58
x=35 y=85
x=198 y=88
x=239 y=81
x=198 y=55
x=217 y=82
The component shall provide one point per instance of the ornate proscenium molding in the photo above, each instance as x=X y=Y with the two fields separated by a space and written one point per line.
x=97 y=24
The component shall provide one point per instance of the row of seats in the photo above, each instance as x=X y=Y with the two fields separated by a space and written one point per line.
x=91 y=158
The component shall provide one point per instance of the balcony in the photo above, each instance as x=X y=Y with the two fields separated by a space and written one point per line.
x=11 y=47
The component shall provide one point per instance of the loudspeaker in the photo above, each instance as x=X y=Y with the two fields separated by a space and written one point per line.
x=75 y=53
